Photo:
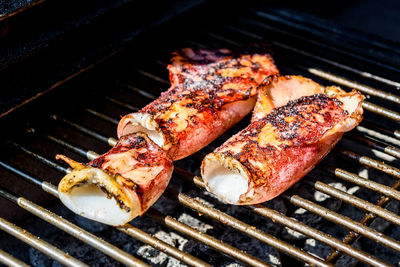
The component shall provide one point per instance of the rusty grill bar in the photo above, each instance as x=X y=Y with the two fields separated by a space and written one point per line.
x=369 y=136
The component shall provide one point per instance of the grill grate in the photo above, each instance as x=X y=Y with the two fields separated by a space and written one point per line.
x=378 y=141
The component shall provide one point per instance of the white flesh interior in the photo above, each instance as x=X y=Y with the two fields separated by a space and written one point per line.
x=143 y=122
x=227 y=184
x=91 y=202
x=155 y=136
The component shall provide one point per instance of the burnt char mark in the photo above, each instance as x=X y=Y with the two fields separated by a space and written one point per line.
x=149 y=156
x=300 y=122
x=206 y=80
x=201 y=86
x=306 y=119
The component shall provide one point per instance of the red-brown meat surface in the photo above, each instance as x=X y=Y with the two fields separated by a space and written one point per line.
x=210 y=91
x=279 y=148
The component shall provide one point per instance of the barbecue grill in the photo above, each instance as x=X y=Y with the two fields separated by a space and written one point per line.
x=345 y=212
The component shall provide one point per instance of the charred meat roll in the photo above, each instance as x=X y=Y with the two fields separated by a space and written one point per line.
x=210 y=91
x=120 y=184
x=295 y=123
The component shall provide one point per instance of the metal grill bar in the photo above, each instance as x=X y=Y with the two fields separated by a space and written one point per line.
x=70 y=228
x=337 y=50
x=382 y=111
x=125 y=105
x=315 y=57
x=391 y=150
x=352 y=84
x=300 y=227
x=10 y=261
x=380 y=129
x=239 y=225
x=369 y=162
x=137 y=90
x=111 y=141
x=146 y=238
x=102 y=116
x=249 y=230
x=161 y=246
x=38 y=243
x=153 y=77
x=127 y=229
x=366 y=183
x=40 y=158
x=377 y=135
x=204 y=238
x=80 y=233
x=357 y=202
x=342 y=220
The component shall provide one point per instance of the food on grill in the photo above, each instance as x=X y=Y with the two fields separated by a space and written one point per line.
x=296 y=122
x=120 y=184
x=210 y=91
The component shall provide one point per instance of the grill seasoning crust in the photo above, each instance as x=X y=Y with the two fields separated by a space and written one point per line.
x=211 y=90
x=278 y=149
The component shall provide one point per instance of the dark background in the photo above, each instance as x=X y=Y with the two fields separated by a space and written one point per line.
x=370 y=16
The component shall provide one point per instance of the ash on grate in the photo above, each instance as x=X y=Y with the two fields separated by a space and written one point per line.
x=321 y=250
x=356 y=214
x=309 y=218
x=386 y=254
x=223 y=232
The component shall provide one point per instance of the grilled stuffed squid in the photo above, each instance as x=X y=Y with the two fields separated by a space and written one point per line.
x=295 y=123
x=120 y=184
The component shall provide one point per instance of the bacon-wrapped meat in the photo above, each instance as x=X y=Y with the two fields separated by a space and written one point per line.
x=296 y=122
x=211 y=91
x=120 y=184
